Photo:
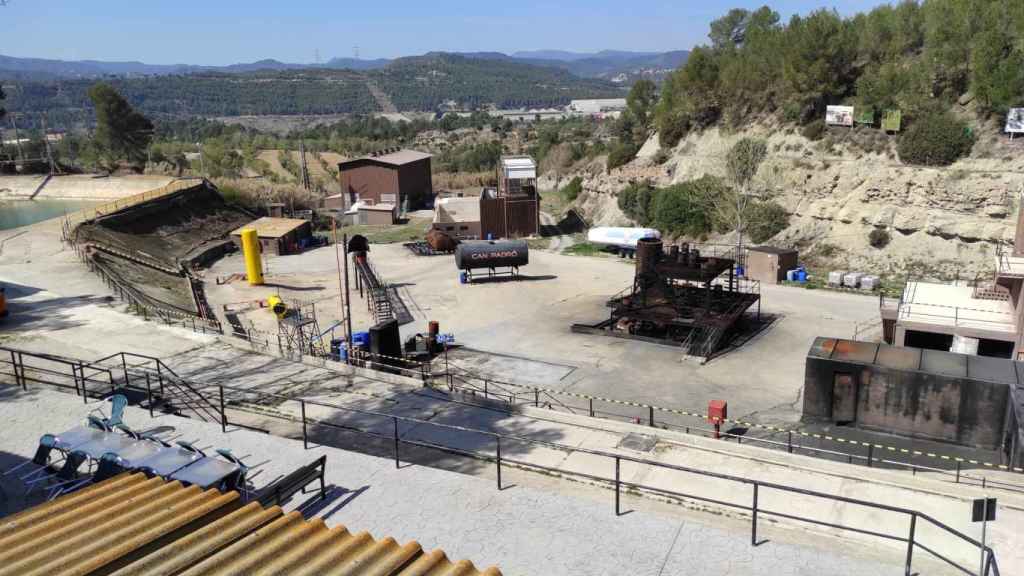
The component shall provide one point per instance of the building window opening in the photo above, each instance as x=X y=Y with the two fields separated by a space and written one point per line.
x=995 y=348
x=928 y=340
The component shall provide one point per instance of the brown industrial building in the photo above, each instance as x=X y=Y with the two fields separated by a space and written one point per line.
x=278 y=236
x=768 y=264
x=400 y=177
x=512 y=210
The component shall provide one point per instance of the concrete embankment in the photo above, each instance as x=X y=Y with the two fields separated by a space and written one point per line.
x=78 y=186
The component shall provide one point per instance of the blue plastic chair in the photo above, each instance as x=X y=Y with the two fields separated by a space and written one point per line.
x=238 y=481
x=117 y=406
x=41 y=458
x=110 y=465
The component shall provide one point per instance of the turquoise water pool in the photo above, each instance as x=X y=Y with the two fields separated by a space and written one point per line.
x=15 y=213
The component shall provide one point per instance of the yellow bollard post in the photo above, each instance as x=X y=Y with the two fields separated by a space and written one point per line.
x=251 y=251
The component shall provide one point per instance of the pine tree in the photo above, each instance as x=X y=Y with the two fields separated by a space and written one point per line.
x=121 y=132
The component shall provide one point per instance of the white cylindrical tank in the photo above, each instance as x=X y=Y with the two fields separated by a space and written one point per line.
x=620 y=237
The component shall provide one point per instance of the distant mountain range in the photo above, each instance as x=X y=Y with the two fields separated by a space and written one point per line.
x=430 y=83
x=618 y=66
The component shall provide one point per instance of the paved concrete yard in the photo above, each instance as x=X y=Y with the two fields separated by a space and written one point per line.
x=522 y=530
x=530 y=318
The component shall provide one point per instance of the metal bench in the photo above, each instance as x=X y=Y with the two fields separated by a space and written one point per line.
x=295 y=482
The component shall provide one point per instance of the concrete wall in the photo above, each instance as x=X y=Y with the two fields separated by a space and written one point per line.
x=912 y=403
x=459 y=229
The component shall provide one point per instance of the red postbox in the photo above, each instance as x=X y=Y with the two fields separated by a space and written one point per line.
x=717 y=413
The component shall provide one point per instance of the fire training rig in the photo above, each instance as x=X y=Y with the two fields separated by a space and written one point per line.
x=680 y=297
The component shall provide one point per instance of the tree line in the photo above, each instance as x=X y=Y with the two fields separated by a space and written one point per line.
x=919 y=57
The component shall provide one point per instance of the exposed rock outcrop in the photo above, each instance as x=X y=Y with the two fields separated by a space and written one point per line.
x=942 y=221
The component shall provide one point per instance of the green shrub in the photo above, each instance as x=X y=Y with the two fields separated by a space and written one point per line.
x=879 y=238
x=686 y=209
x=814 y=131
x=938 y=139
x=620 y=155
x=635 y=202
x=766 y=219
x=661 y=156
x=572 y=190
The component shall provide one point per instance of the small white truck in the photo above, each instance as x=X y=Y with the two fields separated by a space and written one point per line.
x=620 y=240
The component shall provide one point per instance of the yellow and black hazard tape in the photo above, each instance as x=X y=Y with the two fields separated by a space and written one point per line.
x=801 y=433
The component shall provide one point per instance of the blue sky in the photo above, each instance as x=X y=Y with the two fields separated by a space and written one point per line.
x=217 y=32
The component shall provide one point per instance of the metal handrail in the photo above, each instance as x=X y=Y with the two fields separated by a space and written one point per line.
x=499 y=438
x=870 y=458
x=989 y=567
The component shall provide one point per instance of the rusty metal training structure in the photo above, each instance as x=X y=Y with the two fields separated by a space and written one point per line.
x=680 y=297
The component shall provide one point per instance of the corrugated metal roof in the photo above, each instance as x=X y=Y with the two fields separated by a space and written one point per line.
x=397 y=158
x=134 y=525
x=402 y=157
x=268 y=227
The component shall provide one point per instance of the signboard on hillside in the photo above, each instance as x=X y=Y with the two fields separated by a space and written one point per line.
x=1015 y=121
x=839 y=116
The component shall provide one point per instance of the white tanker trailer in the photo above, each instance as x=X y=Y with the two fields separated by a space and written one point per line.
x=621 y=240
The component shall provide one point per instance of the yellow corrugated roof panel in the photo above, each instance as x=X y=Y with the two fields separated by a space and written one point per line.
x=131 y=525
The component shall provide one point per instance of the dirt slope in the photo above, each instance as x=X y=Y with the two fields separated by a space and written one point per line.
x=942 y=221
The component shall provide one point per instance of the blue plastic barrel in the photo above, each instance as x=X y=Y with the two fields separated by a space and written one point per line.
x=462 y=278
x=740 y=271
x=361 y=339
x=801 y=275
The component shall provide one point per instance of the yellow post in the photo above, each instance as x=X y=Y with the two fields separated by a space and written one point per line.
x=251 y=251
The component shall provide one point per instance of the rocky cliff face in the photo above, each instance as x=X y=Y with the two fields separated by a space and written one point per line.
x=942 y=221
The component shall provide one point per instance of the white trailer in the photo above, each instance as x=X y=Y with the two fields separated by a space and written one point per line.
x=621 y=240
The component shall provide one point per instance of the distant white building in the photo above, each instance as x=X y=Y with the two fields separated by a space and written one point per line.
x=600 y=106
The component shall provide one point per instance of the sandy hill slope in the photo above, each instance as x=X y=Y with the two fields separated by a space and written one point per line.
x=942 y=221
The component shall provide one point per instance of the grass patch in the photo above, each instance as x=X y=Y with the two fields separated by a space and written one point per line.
x=586 y=249
x=413 y=230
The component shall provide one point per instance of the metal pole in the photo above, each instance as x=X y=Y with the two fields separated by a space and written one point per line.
x=617 y=513
x=498 y=440
x=14 y=368
x=871 y=448
x=305 y=441
x=753 y=518
x=789 y=442
x=536 y=397
x=74 y=375
x=149 y=395
x=650 y=410
x=395 y=419
x=337 y=261
x=24 y=381
x=958 y=472
x=348 y=300
x=591 y=407
x=984 y=525
x=223 y=414
x=124 y=366
x=910 y=544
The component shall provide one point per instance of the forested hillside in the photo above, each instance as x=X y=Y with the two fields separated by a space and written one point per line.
x=424 y=82
x=418 y=83
x=919 y=57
